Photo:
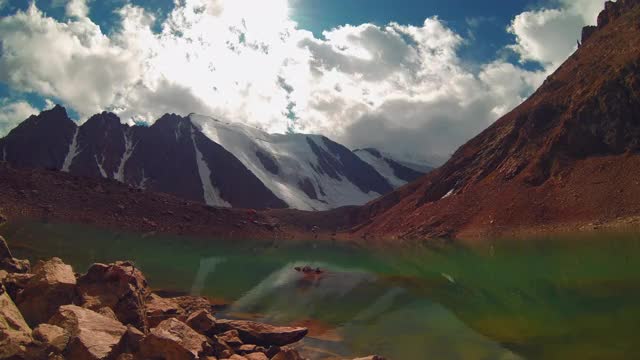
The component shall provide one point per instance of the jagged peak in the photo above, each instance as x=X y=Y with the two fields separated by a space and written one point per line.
x=104 y=117
x=612 y=11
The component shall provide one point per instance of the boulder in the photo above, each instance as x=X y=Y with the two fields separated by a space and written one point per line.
x=231 y=337
x=159 y=309
x=91 y=336
x=51 y=338
x=287 y=354
x=9 y=263
x=246 y=349
x=192 y=304
x=237 y=357
x=262 y=334
x=15 y=334
x=120 y=287
x=173 y=339
x=53 y=284
x=202 y=321
x=14 y=283
x=131 y=340
x=256 y=356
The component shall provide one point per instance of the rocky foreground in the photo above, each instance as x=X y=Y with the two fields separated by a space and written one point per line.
x=50 y=312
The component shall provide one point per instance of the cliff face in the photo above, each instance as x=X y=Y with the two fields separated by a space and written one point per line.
x=528 y=168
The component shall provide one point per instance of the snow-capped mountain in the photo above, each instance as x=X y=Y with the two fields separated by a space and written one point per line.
x=203 y=159
x=397 y=172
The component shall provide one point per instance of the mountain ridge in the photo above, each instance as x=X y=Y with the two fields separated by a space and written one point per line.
x=200 y=159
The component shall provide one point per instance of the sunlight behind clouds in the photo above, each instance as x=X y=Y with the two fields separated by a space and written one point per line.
x=395 y=86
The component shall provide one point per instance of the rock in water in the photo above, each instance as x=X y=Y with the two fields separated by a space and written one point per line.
x=8 y=262
x=120 y=287
x=15 y=334
x=174 y=340
x=91 y=336
x=53 y=284
x=262 y=334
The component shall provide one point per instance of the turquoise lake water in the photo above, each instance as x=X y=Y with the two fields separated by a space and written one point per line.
x=551 y=299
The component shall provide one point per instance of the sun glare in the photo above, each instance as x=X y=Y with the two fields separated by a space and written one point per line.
x=265 y=17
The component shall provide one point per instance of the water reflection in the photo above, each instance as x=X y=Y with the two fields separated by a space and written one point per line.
x=538 y=301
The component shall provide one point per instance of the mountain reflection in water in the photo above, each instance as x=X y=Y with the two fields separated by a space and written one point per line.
x=537 y=300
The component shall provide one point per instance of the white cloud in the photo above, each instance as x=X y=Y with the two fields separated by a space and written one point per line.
x=401 y=88
x=12 y=113
x=77 y=8
x=547 y=36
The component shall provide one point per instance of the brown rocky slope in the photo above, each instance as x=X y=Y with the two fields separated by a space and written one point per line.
x=566 y=158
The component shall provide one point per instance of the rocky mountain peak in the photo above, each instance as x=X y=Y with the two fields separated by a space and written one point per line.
x=612 y=11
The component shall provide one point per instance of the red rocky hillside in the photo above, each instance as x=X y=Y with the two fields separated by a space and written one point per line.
x=567 y=158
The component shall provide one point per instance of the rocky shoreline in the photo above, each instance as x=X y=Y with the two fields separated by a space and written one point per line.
x=51 y=312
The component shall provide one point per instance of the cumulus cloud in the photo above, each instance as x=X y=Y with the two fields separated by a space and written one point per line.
x=547 y=36
x=12 y=113
x=77 y=8
x=398 y=87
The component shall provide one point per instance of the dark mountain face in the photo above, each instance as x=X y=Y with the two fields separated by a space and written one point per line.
x=171 y=156
x=40 y=141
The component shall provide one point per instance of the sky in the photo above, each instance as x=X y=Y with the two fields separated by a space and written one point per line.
x=410 y=77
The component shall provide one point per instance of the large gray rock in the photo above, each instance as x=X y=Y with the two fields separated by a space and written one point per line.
x=53 y=284
x=173 y=339
x=15 y=334
x=262 y=334
x=120 y=287
x=91 y=336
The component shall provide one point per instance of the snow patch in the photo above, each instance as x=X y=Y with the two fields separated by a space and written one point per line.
x=211 y=195
x=295 y=159
x=128 y=151
x=143 y=182
x=451 y=192
x=72 y=153
x=100 y=167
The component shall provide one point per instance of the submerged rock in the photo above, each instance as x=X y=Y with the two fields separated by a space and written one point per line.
x=53 y=284
x=91 y=336
x=262 y=334
x=15 y=334
x=120 y=287
x=173 y=339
